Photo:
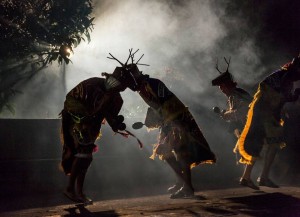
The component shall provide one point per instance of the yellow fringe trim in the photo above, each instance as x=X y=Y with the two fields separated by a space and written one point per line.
x=246 y=158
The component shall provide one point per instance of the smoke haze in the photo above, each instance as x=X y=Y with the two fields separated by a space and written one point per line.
x=182 y=41
x=186 y=38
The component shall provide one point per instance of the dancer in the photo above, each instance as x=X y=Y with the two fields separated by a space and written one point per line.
x=264 y=125
x=86 y=107
x=181 y=143
x=238 y=103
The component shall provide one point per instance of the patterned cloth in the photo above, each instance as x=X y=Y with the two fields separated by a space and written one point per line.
x=263 y=125
x=179 y=132
x=85 y=108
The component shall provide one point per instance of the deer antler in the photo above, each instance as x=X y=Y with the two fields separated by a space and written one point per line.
x=137 y=62
x=218 y=67
x=130 y=50
x=139 y=59
x=113 y=58
x=228 y=63
x=131 y=55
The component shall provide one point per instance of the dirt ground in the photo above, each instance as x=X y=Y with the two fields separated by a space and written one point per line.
x=240 y=201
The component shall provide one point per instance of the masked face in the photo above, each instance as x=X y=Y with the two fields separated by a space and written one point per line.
x=115 y=81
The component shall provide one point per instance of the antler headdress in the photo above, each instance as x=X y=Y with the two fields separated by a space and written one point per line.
x=224 y=76
x=131 y=55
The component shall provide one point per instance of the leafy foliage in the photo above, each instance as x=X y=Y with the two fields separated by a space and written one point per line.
x=35 y=33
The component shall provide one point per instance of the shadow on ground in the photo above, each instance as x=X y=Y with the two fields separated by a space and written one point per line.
x=272 y=204
x=81 y=210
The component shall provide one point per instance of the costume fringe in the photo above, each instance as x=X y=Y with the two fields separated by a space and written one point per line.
x=246 y=158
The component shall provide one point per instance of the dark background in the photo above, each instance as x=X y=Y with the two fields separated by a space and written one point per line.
x=30 y=157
